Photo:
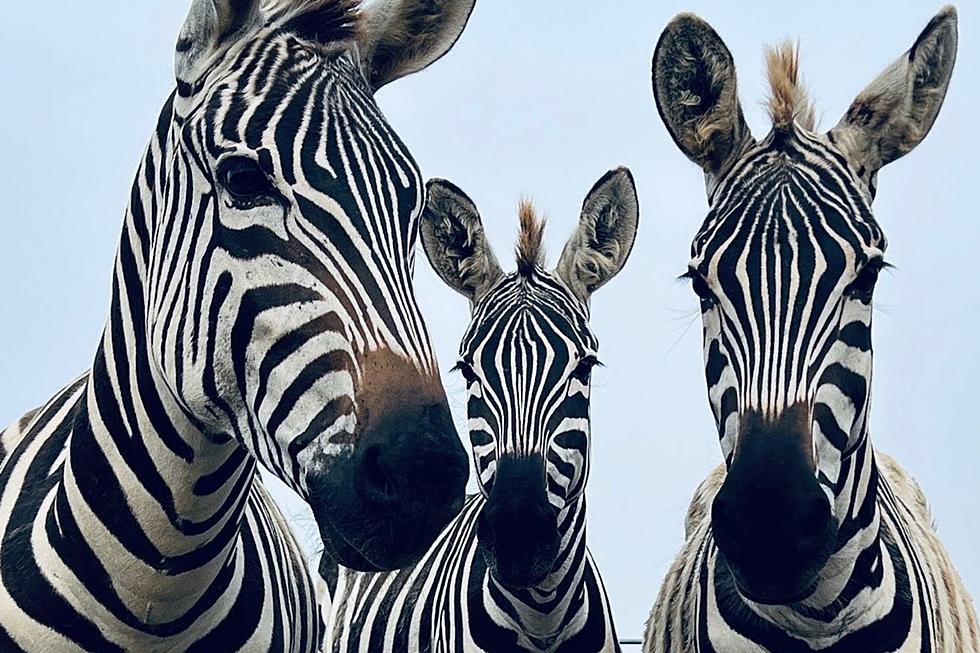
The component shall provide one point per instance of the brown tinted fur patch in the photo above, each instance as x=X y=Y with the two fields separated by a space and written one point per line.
x=788 y=101
x=530 y=253
x=389 y=382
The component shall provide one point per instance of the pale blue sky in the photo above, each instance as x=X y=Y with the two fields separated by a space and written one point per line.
x=538 y=98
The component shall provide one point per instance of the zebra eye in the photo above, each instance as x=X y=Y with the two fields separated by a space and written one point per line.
x=864 y=284
x=466 y=370
x=700 y=287
x=583 y=370
x=245 y=181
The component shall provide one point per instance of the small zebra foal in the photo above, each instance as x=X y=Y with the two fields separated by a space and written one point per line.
x=808 y=539
x=512 y=572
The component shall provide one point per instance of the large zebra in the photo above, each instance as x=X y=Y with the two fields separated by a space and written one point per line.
x=262 y=312
x=807 y=540
x=512 y=571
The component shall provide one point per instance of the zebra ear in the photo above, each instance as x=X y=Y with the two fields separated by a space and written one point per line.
x=208 y=24
x=455 y=243
x=895 y=112
x=694 y=87
x=602 y=242
x=400 y=37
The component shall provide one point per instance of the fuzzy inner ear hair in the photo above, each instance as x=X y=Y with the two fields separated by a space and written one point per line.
x=454 y=241
x=695 y=91
x=601 y=243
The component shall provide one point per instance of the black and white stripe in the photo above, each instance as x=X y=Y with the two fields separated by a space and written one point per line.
x=512 y=572
x=262 y=310
x=807 y=539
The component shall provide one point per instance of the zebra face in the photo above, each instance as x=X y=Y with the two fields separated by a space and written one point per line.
x=286 y=316
x=527 y=358
x=785 y=267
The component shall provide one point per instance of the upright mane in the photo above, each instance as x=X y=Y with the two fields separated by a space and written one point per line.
x=322 y=21
x=788 y=100
x=530 y=253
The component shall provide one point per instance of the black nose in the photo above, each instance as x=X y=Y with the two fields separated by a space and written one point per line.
x=771 y=519
x=791 y=525
x=518 y=526
x=383 y=506
x=413 y=462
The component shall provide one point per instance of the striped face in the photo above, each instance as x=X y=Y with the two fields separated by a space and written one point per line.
x=302 y=205
x=283 y=313
x=527 y=358
x=785 y=266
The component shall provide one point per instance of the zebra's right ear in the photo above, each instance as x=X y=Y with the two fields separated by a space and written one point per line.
x=895 y=112
x=455 y=243
x=208 y=24
x=399 y=37
x=694 y=87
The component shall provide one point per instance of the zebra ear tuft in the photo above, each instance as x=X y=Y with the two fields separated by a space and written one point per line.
x=208 y=24
x=455 y=242
x=604 y=237
x=895 y=112
x=399 y=37
x=695 y=91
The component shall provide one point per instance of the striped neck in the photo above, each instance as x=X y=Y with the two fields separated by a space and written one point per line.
x=158 y=501
x=557 y=607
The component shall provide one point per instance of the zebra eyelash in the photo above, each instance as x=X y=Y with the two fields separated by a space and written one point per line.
x=585 y=366
x=700 y=286
x=867 y=277
x=466 y=370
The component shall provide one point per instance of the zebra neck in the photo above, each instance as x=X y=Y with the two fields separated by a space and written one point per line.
x=558 y=603
x=158 y=501
x=864 y=576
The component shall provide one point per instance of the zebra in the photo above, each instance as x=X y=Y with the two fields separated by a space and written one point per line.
x=512 y=572
x=806 y=539
x=262 y=312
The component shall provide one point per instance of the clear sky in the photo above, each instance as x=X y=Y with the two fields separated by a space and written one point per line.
x=538 y=98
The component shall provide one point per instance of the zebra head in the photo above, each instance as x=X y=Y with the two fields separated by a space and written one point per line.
x=785 y=267
x=527 y=359
x=282 y=311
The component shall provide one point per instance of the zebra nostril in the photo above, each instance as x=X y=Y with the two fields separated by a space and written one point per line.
x=375 y=483
x=813 y=526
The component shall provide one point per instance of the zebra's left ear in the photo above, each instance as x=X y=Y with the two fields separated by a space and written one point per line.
x=208 y=24
x=399 y=37
x=896 y=111
x=603 y=239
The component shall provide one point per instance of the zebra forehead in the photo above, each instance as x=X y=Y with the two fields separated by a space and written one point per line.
x=799 y=191
x=531 y=308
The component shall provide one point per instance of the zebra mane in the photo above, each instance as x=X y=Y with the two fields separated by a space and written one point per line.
x=529 y=250
x=321 y=21
x=788 y=100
